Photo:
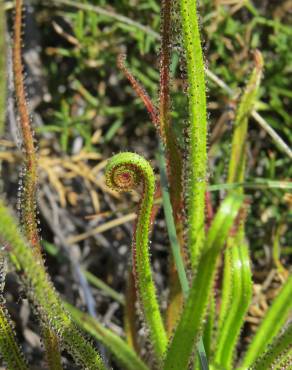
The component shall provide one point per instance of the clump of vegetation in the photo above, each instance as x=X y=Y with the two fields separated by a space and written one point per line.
x=210 y=274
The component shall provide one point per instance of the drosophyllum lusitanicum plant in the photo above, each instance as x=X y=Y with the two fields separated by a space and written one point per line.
x=200 y=330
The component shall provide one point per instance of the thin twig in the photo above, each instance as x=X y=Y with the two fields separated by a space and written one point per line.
x=278 y=140
x=101 y=228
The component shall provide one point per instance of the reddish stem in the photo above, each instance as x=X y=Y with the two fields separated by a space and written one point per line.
x=30 y=180
x=140 y=91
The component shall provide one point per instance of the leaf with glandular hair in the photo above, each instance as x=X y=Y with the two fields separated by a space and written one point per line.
x=246 y=105
x=10 y=350
x=271 y=325
x=28 y=201
x=43 y=295
x=196 y=163
x=124 y=172
x=124 y=354
x=3 y=73
x=190 y=323
x=278 y=353
x=237 y=284
x=237 y=262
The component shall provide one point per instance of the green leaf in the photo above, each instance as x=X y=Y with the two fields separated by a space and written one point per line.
x=271 y=324
x=10 y=350
x=197 y=131
x=117 y=346
x=190 y=323
x=279 y=352
x=237 y=284
x=175 y=247
x=124 y=172
x=41 y=291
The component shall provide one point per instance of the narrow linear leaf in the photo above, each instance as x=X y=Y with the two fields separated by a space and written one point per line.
x=174 y=243
x=271 y=324
x=247 y=102
x=196 y=165
x=190 y=324
x=41 y=291
x=2 y=67
x=257 y=183
x=237 y=283
x=237 y=257
x=117 y=346
x=279 y=350
x=139 y=90
x=52 y=348
x=167 y=134
x=124 y=172
x=172 y=155
x=28 y=209
x=209 y=327
x=28 y=214
x=176 y=247
x=106 y=289
x=10 y=350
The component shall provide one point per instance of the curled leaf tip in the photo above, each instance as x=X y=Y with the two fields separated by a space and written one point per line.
x=125 y=171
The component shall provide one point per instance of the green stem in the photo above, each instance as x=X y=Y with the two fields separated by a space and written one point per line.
x=123 y=173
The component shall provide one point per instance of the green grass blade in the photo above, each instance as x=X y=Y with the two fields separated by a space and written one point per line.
x=197 y=132
x=257 y=183
x=190 y=324
x=271 y=324
x=124 y=354
x=106 y=289
x=174 y=243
